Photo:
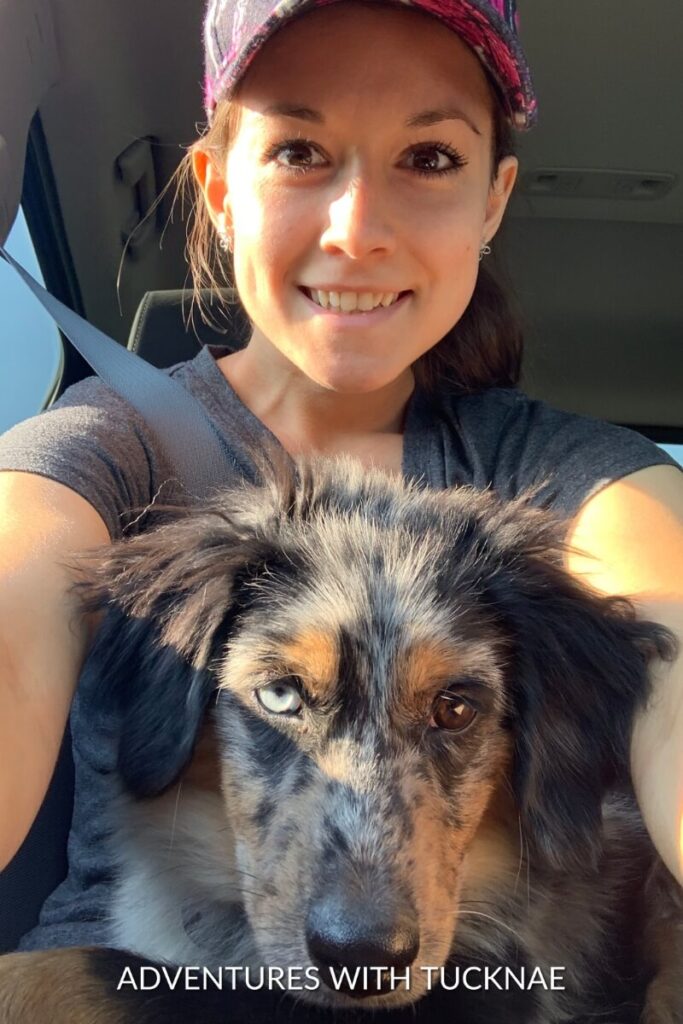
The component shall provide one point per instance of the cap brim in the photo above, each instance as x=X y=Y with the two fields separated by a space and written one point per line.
x=475 y=21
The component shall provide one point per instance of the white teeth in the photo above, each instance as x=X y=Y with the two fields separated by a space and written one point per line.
x=349 y=302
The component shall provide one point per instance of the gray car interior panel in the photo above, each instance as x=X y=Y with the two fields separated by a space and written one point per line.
x=29 y=67
x=593 y=238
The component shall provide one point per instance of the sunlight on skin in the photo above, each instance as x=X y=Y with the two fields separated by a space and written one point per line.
x=625 y=512
x=629 y=540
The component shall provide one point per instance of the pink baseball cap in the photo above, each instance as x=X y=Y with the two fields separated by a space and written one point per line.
x=235 y=30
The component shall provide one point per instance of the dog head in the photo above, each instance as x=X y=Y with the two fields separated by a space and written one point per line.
x=378 y=661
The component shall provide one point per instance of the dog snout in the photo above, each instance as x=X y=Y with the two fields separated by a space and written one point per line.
x=358 y=949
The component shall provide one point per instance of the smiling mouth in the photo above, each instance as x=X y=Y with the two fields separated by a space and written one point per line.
x=353 y=302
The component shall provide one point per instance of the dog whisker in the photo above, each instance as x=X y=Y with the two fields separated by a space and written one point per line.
x=490 y=917
x=175 y=814
x=521 y=852
x=523 y=859
x=253 y=892
x=245 y=874
x=180 y=868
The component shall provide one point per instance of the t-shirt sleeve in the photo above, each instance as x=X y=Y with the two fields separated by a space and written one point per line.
x=505 y=440
x=94 y=442
x=570 y=457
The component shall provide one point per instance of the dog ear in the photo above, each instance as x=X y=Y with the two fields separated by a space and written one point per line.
x=168 y=597
x=153 y=693
x=579 y=671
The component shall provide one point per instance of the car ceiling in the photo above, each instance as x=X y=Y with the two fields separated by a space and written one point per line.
x=599 y=279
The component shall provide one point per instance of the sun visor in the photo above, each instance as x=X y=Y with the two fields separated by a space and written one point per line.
x=29 y=67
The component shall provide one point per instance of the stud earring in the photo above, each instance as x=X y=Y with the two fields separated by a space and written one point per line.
x=484 y=251
x=225 y=241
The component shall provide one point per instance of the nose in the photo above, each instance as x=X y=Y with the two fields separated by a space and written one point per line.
x=342 y=933
x=358 y=224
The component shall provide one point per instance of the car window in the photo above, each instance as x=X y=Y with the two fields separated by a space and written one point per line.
x=31 y=354
x=675 y=450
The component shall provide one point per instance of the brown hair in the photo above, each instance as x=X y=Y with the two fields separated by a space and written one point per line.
x=483 y=349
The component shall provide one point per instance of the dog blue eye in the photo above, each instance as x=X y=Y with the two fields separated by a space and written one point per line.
x=280 y=698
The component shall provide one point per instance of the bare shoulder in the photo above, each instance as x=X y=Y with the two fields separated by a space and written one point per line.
x=31 y=504
x=628 y=539
x=43 y=524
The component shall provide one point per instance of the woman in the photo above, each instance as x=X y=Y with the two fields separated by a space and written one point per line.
x=357 y=155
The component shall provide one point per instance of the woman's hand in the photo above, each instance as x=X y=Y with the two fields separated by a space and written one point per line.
x=629 y=540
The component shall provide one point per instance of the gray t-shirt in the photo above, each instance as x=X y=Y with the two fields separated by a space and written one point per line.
x=94 y=442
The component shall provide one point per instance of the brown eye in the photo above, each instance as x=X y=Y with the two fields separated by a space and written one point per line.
x=450 y=711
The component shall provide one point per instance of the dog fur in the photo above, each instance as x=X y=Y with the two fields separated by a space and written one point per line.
x=372 y=821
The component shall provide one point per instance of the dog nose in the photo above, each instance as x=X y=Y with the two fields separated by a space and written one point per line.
x=341 y=935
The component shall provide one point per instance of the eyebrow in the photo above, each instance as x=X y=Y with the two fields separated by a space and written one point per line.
x=421 y=120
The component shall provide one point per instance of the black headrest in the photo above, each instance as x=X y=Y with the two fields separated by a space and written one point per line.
x=159 y=333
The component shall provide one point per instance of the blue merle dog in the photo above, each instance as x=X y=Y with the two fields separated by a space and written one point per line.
x=368 y=725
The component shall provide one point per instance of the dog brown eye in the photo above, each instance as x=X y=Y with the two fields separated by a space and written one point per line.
x=280 y=698
x=451 y=712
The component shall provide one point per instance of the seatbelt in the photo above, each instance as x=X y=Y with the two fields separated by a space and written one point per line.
x=183 y=429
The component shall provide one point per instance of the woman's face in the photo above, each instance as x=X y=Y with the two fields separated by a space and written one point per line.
x=328 y=185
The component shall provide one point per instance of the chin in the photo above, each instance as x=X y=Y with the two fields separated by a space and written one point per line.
x=352 y=377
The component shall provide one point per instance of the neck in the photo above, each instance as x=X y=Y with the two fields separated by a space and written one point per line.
x=305 y=416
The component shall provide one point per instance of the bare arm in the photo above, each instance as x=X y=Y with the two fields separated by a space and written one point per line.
x=43 y=638
x=634 y=531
